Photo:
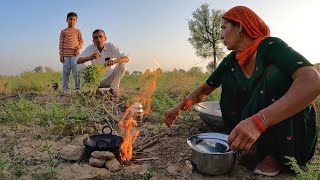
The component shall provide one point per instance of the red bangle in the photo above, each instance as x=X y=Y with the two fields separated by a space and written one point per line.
x=188 y=104
x=257 y=119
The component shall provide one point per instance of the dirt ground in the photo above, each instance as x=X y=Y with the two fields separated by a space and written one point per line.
x=169 y=151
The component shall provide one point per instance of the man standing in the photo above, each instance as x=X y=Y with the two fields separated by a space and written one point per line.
x=108 y=54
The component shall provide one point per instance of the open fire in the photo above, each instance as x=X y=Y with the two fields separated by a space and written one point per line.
x=128 y=124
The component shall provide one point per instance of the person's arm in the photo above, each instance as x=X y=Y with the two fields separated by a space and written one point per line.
x=120 y=60
x=80 y=40
x=61 y=45
x=304 y=89
x=84 y=59
x=116 y=56
x=198 y=95
x=87 y=55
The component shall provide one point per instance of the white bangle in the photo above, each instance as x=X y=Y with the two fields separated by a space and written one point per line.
x=264 y=120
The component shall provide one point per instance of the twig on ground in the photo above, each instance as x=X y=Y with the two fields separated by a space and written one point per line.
x=144 y=159
x=140 y=143
x=106 y=110
x=152 y=141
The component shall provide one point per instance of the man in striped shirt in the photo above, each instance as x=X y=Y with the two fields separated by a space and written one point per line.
x=110 y=55
x=70 y=44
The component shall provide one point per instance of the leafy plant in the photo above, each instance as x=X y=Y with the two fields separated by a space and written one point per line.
x=92 y=75
x=50 y=169
x=4 y=164
x=19 y=111
x=312 y=170
x=19 y=165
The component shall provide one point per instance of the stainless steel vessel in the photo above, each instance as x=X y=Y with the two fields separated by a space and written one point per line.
x=211 y=153
x=210 y=114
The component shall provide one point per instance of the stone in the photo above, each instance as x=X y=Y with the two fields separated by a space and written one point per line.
x=41 y=156
x=96 y=162
x=94 y=120
x=159 y=176
x=173 y=170
x=72 y=153
x=78 y=140
x=113 y=165
x=137 y=169
x=88 y=130
x=104 y=155
x=83 y=172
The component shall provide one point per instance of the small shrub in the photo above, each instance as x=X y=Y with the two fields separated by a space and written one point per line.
x=312 y=168
x=19 y=111
x=92 y=75
x=49 y=169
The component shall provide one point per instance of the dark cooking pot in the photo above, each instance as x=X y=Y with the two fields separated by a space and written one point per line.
x=103 y=142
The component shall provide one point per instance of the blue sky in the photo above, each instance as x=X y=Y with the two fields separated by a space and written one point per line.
x=151 y=32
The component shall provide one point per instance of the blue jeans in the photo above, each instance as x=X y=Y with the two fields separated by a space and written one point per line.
x=70 y=64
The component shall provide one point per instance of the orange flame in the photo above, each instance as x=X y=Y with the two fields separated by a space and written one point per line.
x=131 y=134
x=145 y=97
x=128 y=126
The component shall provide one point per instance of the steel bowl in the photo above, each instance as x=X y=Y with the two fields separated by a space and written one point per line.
x=211 y=153
x=211 y=115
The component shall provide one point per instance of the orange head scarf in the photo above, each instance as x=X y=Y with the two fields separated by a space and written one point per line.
x=254 y=27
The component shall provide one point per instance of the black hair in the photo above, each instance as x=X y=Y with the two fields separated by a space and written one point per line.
x=98 y=30
x=72 y=14
x=234 y=23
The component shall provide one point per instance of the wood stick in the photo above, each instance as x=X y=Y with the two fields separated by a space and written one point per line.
x=105 y=109
x=139 y=144
x=152 y=141
x=144 y=159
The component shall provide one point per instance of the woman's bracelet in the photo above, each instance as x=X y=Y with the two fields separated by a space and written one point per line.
x=187 y=104
x=259 y=122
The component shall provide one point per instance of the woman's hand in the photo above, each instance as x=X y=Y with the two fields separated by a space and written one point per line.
x=171 y=115
x=244 y=135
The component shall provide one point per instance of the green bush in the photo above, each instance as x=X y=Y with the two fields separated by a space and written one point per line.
x=18 y=111
x=311 y=171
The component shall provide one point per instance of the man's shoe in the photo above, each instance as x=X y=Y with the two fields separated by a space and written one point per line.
x=78 y=91
x=115 y=92
x=66 y=92
x=269 y=166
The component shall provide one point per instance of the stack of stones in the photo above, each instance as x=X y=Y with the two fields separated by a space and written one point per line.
x=104 y=159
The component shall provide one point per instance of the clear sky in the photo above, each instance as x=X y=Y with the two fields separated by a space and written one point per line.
x=151 y=32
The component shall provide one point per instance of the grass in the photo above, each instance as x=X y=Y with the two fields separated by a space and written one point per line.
x=172 y=87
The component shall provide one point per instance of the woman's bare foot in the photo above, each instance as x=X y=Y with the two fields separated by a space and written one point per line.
x=269 y=166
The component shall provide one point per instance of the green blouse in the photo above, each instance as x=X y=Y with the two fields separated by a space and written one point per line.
x=241 y=97
x=237 y=90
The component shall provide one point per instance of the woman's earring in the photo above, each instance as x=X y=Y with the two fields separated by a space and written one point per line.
x=240 y=33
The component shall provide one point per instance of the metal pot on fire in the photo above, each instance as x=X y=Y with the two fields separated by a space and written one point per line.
x=136 y=111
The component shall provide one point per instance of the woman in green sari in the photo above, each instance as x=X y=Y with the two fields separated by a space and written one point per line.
x=267 y=93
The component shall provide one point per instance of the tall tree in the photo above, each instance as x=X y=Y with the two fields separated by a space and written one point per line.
x=205 y=31
x=210 y=66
